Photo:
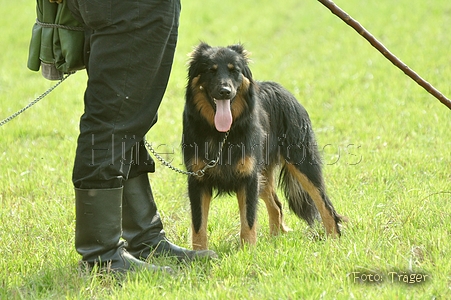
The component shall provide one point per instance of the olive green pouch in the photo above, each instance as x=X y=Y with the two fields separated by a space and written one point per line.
x=57 y=40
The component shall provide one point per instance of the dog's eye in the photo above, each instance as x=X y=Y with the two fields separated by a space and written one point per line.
x=235 y=70
x=213 y=69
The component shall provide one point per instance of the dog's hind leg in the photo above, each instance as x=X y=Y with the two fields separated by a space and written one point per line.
x=200 y=199
x=248 y=201
x=328 y=214
x=273 y=205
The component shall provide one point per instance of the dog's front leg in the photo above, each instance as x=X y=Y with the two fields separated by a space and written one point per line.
x=200 y=198
x=248 y=201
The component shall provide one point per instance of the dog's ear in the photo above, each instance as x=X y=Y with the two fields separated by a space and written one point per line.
x=198 y=51
x=239 y=48
x=195 y=59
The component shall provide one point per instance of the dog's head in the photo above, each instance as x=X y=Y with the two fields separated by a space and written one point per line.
x=220 y=76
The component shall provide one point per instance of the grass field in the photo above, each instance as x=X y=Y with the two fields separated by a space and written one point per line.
x=386 y=145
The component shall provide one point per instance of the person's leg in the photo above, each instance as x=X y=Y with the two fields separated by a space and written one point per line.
x=126 y=48
x=97 y=232
x=129 y=64
x=142 y=226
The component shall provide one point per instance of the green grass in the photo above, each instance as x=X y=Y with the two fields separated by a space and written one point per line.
x=386 y=145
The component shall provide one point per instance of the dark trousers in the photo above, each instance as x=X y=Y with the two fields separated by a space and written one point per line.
x=130 y=50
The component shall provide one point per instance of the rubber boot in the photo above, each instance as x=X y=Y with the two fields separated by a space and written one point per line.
x=142 y=226
x=98 y=231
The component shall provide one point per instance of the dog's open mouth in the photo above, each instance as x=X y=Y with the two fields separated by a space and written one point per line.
x=223 y=115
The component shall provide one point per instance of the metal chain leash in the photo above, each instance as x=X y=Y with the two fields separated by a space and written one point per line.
x=3 y=122
x=199 y=173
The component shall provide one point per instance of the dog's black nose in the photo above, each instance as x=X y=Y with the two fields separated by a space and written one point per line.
x=225 y=92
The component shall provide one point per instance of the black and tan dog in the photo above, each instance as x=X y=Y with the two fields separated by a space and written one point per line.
x=236 y=133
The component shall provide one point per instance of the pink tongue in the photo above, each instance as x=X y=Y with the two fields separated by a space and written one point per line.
x=223 y=116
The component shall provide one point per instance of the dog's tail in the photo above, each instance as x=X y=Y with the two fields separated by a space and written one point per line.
x=299 y=190
x=298 y=199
